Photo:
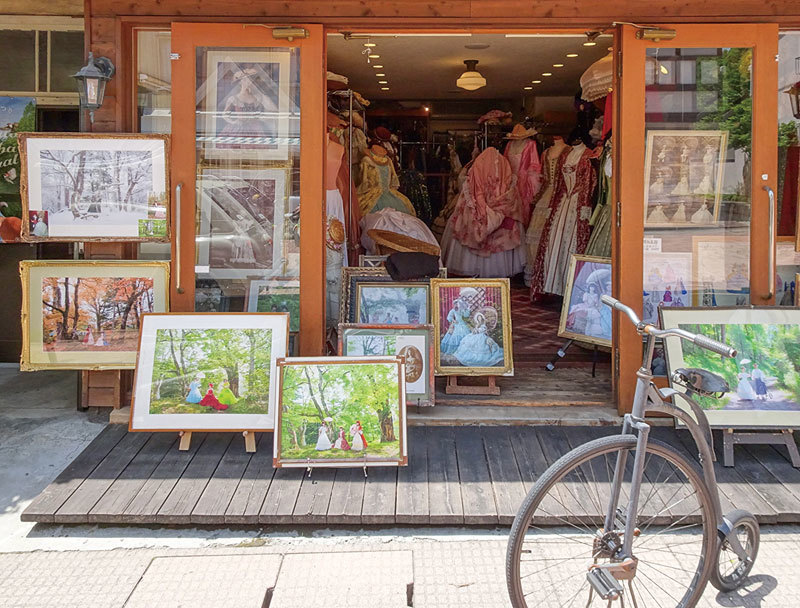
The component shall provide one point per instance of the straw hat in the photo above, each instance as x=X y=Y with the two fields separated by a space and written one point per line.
x=520 y=132
x=388 y=242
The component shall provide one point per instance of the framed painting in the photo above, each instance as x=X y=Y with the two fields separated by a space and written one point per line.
x=391 y=302
x=667 y=281
x=413 y=342
x=17 y=115
x=278 y=295
x=86 y=314
x=208 y=371
x=584 y=317
x=92 y=187
x=372 y=261
x=472 y=327
x=242 y=217
x=763 y=377
x=249 y=103
x=721 y=270
x=683 y=177
x=341 y=412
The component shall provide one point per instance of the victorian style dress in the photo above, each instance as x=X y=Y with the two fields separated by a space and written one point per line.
x=377 y=186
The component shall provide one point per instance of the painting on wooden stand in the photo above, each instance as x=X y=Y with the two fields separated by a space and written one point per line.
x=208 y=371
x=86 y=314
x=341 y=412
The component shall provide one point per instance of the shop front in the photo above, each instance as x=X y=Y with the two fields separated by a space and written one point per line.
x=702 y=201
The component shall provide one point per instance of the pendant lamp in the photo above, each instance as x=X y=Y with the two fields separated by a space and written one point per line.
x=471 y=80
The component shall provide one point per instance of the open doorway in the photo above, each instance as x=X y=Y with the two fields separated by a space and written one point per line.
x=499 y=122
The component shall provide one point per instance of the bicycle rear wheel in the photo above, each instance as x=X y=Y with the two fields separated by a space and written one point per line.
x=559 y=533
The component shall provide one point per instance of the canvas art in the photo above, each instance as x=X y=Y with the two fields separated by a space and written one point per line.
x=208 y=371
x=721 y=270
x=341 y=411
x=242 y=213
x=472 y=327
x=584 y=317
x=391 y=303
x=666 y=281
x=764 y=378
x=17 y=115
x=249 y=103
x=276 y=296
x=95 y=187
x=413 y=342
x=87 y=314
x=683 y=177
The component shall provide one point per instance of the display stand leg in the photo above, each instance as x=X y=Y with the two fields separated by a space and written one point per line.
x=594 y=362
x=249 y=441
x=186 y=440
x=560 y=354
x=785 y=438
x=454 y=388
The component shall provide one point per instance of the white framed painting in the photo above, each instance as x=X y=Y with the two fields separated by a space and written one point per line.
x=248 y=102
x=95 y=187
x=276 y=295
x=208 y=371
x=763 y=377
x=242 y=220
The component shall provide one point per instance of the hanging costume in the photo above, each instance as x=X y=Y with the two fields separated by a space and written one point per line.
x=600 y=241
x=335 y=233
x=377 y=187
x=523 y=156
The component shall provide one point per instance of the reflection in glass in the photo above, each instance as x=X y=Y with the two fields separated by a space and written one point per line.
x=697 y=183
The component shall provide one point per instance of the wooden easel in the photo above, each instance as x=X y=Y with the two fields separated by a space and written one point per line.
x=249 y=441
x=785 y=437
x=454 y=388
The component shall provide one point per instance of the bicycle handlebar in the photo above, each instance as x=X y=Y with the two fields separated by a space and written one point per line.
x=644 y=328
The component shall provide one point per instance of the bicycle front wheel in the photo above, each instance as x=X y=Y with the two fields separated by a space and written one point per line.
x=559 y=532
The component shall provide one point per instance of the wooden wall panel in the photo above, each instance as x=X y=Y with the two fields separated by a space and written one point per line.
x=103 y=42
x=66 y=8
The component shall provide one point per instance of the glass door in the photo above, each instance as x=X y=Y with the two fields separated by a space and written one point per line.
x=695 y=173
x=247 y=142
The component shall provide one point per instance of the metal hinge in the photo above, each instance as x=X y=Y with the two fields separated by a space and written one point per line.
x=777 y=58
x=174 y=56
x=619 y=214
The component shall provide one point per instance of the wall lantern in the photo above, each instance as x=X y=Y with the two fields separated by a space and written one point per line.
x=794 y=98
x=92 y=79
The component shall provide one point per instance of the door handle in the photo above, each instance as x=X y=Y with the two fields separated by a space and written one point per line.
x=771 y=194
x=178 y=191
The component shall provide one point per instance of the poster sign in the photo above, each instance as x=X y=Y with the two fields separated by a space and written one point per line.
x=17 y=114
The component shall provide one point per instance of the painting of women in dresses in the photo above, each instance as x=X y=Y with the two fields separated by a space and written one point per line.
x=248 y=103
x=472 y=327
x=584 y=317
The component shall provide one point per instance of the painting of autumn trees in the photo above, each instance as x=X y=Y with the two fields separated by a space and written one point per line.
x=94 y=313
x=320 y=401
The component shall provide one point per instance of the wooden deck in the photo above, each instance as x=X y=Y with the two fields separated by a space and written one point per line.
x=456 y=475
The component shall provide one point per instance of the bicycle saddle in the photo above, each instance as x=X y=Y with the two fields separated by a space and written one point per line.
x=701 y=381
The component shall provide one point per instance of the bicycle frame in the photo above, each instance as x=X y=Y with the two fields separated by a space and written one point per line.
x=648 y=398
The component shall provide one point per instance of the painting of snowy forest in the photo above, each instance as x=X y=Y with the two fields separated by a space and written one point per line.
x=97 y=188
x=341 y=411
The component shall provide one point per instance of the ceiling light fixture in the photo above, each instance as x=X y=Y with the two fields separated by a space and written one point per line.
x=379 y=74
x=370 y=45
x=536 y=81
x=571 y=55
x=383 y=82
x=471 y=79
x=374 y=56
x=558 y=65
x=547 y=73
x=377 y=66
x=528 y=88
x=384 y=88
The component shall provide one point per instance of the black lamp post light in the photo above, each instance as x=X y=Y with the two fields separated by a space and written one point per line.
x=92 y=79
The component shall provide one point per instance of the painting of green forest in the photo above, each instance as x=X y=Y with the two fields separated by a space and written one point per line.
x=211 y=371
x=340 y=411
x=765 y=375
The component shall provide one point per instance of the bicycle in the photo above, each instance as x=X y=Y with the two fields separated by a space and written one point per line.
x=627 y=519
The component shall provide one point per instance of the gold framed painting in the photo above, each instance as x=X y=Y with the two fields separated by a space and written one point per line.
x=584 y=317
x=683 y=177
x=86 y=314
x=472 y=327
x=95 y=187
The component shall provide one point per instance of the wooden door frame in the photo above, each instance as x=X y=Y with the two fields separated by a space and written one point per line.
x=629 y=159
x=186 y=37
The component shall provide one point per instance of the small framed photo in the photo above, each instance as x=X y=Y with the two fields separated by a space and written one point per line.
x=472 y=327
x=341 y=412
x=584 y=317
x=278 y=295
x=763 y=378
x=413 y=342
x=208 y=371
x=667 y=281
x=721 y=270
x=92 y=187
x=86 y=314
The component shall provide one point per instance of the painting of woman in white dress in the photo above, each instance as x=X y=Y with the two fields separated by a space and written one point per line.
x=584 y=317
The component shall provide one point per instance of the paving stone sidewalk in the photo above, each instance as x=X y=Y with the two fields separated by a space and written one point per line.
x=349 y=570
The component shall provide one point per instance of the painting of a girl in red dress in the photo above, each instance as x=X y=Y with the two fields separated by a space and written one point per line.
x=210 y=399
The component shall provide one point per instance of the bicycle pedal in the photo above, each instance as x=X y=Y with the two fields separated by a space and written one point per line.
x=604 y=584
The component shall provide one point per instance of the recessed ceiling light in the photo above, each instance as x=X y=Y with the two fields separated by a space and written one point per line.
x=558 y=65
x=383 y=82
x=369 y=45
x=589 y=43
x=536 y=81
x=547 y=74
x=572 y=55
x=380 y=74
x=377 y=67
x=384 y=88
x=374 y=56
x=528 y=88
